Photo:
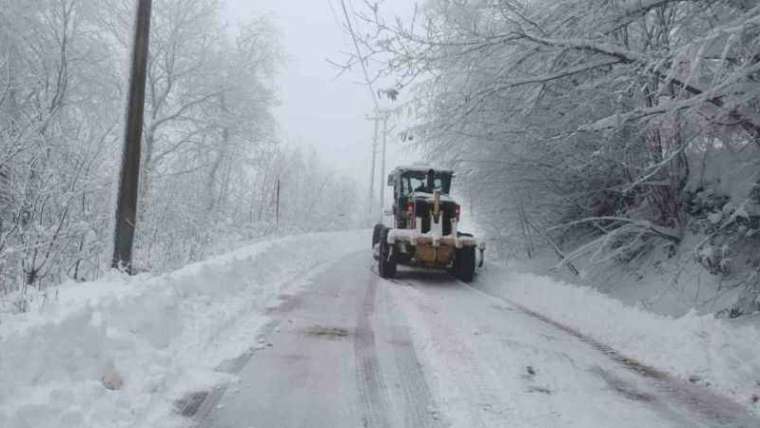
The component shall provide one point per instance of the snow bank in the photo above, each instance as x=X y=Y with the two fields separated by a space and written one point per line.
x=162 y=336
x=701 y=348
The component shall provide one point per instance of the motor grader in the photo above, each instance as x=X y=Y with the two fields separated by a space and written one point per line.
x=425 y=230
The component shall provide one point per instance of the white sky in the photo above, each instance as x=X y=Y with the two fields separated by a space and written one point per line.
x=319 y=109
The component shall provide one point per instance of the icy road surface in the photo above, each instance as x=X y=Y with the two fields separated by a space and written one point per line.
x=424 y=350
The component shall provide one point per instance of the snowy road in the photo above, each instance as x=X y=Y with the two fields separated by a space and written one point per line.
x=424 y=350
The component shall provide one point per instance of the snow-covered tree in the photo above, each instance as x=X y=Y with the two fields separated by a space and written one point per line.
x=578 y=121
x=210 y=147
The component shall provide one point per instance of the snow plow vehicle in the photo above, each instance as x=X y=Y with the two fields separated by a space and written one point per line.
x=425 y=231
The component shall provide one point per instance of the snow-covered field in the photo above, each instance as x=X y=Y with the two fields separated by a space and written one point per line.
x=158 y=336
x=718 y=353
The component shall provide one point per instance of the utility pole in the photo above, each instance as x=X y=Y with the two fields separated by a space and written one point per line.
x=372 y=167
x=126 y=208
x=277 y=203
x=382 y=163
x=380 y=115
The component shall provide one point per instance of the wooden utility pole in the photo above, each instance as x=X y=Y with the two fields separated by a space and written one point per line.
x=380 y=116
x=372 y=168
x=126 y=208
x=277 y=203
x=382 y=164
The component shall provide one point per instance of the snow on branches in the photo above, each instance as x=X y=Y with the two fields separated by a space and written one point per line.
x=568 y=112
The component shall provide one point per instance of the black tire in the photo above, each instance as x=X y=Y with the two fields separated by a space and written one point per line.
x=376 y=234
x=386 y=263
x=464 y=264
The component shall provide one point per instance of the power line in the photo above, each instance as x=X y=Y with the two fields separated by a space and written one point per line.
x=359 y=55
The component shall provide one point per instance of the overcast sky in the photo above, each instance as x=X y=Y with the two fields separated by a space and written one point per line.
x=319 y=109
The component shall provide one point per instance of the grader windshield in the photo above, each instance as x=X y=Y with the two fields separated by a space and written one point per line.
x=417 y=181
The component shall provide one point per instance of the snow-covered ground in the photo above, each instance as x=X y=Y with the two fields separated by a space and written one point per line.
x=154 y=339
x=162 y=336
x=425 y=350
x=718 y=353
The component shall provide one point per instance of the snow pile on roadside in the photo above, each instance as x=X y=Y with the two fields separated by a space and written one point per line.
x=161 y=336
x=700 y=348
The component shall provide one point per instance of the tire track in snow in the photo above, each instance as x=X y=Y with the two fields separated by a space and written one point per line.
x=416 y=392
x=416 y=400
x=719 y=410
x=372 y=389
x=477 y=398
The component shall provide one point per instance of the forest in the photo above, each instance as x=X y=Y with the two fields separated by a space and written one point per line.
x=212 y=156
x=607 y=131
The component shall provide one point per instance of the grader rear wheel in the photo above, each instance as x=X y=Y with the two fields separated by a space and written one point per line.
x=376 y=234
x=464 y=264
x=386 y=262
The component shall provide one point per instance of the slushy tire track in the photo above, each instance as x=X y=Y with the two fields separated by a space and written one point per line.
x=415 y=391
x=372 y=390
x=716 y=408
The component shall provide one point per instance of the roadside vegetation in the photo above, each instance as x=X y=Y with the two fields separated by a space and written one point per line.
x=211 y=152
x=608 y=132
